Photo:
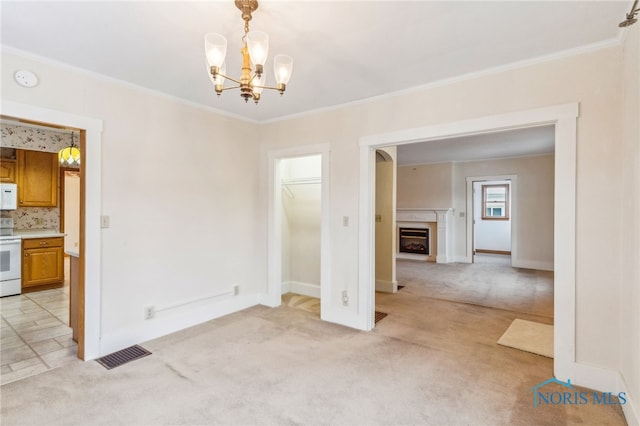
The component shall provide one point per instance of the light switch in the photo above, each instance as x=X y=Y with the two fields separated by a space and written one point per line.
x=345 y=220
x=104 y=221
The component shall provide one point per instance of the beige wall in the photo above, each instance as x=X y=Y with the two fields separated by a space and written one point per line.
x=187 y=153
x=425 y=186
x=533 y=228
x=629 y=219
x=184 y=213
x=385 y=229
x=421 y=185
x=586 y=78
x=72 y=212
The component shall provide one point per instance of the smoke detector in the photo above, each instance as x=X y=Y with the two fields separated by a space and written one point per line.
x=26 y=78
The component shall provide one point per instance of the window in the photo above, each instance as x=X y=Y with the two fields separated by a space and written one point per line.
x=495 y=202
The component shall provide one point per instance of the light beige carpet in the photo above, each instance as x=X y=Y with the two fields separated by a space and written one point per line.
x=529 y=336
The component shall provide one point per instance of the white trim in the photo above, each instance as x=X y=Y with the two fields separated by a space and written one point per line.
x=630 y=409
x=92 y=207
x=386 y=286
x=167 y=322
x=461 y=78
x=273 y=296
x=444 y=82
x=531 y=264
x=103 y=77
x=305 y=289
x=513 y=216
x=564 y=117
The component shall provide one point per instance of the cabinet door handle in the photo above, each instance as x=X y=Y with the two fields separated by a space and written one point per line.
x=43 y=243
x=26 y=254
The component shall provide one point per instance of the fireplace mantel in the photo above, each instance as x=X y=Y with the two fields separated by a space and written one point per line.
x=443 y=217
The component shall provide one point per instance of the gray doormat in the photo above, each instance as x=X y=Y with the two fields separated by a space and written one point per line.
x=123 y=356
x=380 y=315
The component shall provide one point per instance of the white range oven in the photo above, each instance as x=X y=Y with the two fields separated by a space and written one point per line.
x=10 y=259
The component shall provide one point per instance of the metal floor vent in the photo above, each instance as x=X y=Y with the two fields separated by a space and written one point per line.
x=380 y=315
x=123 y=356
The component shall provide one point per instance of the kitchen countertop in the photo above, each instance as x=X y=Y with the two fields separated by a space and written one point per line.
x=37 y=233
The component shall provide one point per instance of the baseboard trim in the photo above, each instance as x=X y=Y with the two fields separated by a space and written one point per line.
x=171 y=321
x=386 y=286
x=593 y=377
x=412 y=256
x=532 y=264
x=508 y=253
x=630 y=409
x=305 y=289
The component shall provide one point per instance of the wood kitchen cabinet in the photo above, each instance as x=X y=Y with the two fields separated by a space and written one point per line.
x=7 y=170
x=37 y=179
x=42 y=263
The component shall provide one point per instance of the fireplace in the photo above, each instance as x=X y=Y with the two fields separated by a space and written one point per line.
x=414 y=240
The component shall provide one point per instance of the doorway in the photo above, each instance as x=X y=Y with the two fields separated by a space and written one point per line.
x=90 y=130
x=563 y=117
x=491 y=200
x=298 y=232
x=301 y=180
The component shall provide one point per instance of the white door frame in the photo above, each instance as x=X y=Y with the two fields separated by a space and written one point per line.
x=564 y=117
x=92 y=207
x=513 y=213
x=274 y=234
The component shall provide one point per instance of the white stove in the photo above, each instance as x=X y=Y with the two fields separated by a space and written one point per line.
x=10 y=259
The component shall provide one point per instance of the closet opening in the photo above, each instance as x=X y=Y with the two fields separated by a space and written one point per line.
x=301 y=231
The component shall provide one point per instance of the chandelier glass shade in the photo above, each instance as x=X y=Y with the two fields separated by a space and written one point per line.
x=70 y=155
x=255 y=50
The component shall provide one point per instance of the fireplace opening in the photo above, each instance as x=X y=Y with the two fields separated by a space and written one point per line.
x=414 y=240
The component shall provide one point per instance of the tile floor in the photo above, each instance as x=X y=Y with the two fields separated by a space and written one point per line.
x=35 y=334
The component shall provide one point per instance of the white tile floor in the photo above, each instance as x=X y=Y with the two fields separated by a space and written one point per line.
x=35 y=334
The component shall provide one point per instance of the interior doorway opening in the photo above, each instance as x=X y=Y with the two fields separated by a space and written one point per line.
x=89 y=295
x=59 y=223
x=563 y=118
x=298 y=234
x=301 y=179
x=491 y=215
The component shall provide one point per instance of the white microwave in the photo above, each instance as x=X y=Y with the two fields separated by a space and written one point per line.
x=8 y=196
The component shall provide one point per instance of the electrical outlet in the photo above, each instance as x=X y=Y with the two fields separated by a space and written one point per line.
x=149 y=312
x=345 y=221
x=345 y=298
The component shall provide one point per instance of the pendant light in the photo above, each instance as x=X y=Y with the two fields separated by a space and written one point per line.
x=69 y=156
x=255 y=49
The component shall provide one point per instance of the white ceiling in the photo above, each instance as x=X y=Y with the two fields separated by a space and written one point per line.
x=344 y=51
x=511 y=143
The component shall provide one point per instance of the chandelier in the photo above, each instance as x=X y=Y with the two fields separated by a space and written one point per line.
x=254 y=52
x=69 y=156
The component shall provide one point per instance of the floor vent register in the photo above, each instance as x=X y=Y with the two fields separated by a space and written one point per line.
x=123 y=356
x=380 y=315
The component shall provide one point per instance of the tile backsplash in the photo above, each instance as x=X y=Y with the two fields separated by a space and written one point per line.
x=35 y=217
x=34 y=139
